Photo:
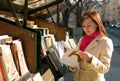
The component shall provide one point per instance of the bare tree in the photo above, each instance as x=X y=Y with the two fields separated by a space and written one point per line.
x=79 y=7
x=84 y=6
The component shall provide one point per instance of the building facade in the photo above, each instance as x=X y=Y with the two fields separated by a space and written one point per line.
x=111 y=11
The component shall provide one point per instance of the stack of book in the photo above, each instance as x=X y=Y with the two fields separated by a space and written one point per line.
x=57 y=53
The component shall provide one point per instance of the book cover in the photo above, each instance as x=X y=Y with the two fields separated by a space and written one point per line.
x=21 y=58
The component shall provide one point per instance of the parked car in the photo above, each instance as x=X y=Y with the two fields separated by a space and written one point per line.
x=112 y=24
x=117 y=25
x=106 y=23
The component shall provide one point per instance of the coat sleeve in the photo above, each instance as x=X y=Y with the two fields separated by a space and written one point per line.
x=102 y=63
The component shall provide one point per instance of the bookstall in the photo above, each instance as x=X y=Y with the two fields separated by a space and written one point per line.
x=29 y=37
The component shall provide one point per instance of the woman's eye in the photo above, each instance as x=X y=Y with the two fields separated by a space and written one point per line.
x=87 y=26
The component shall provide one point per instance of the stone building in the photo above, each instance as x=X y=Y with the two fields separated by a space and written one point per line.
x=111 y=11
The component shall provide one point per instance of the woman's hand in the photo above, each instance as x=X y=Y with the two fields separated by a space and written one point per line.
x=73 y=69
x=83 y=54
x=74 y=51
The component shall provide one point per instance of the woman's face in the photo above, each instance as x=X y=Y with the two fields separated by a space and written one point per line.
x=89 y=26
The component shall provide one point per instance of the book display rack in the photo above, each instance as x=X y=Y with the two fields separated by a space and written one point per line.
x=30 y=41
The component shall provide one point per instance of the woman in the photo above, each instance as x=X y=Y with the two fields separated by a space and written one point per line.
x=95 y=50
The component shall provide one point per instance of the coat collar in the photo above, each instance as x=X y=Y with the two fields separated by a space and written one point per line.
x=94 y=43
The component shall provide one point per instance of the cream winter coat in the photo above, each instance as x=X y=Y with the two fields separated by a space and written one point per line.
x=101 y=48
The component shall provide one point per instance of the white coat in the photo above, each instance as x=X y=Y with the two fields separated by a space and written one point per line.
x=101 y=48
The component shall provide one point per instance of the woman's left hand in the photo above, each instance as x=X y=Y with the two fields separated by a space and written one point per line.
x=74 y=69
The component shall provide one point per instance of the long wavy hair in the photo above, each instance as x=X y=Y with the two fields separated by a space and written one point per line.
x=95 y=17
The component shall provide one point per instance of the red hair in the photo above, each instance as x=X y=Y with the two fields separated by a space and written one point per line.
x=95 y=17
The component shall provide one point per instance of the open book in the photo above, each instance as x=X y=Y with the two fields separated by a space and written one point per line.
x=72 y=60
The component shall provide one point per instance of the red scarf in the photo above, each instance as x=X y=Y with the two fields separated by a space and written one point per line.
x=87 y=39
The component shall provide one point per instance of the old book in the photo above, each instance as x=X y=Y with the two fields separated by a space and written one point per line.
x=56 y=66
x=72 y=43
x=15 y=57
x=2 y=73
x=47 y=41
x=68 y=60
x=29 y=79
x=21 y=58
x=5 y=39
x=62 y=47
x=43 y=45
x=8 y=63
x=66 y=44
x=37 y=77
